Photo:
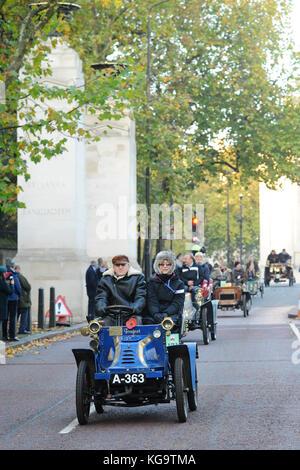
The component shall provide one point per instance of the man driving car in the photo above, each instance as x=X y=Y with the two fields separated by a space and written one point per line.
x=121 y=285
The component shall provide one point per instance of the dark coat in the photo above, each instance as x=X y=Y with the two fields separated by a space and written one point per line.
x=239 y=276
x=165 y=298
x=24 y=300
x=194 y=273
x=256 y=269
x=283 y=257
x=206 y=270
x=16 y=289
x=5 y=291
x=129 y=290
x=99 y=271
x=91 y=281
x=273 y=258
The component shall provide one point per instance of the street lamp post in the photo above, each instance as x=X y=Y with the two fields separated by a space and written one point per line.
x=241 y=228
x=147 y=182
x=227 y=228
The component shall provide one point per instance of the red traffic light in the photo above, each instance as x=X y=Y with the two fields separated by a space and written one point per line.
x=195 y=222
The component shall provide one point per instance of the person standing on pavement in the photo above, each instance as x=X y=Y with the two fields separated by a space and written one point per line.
x=5 y=290
x=101 y=268
x=91 y=282
x=13 y=299
x=24 y=303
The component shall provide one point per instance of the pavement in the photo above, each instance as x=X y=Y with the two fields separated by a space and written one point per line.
x=49 y=333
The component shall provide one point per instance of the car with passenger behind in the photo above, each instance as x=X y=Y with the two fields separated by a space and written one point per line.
x=132 y=365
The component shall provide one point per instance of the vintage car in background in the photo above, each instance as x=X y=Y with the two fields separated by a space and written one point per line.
x=232 y=297
x=205 y=318
x=279 y=272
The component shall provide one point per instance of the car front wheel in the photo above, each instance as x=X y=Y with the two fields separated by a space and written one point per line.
x=83 y=392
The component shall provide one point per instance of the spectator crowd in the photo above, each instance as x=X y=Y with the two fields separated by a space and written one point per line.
x=121 y=284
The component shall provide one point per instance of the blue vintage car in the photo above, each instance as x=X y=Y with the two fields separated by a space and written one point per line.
x=135 y=365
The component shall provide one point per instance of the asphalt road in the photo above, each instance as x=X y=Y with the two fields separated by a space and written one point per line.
x=248 y=392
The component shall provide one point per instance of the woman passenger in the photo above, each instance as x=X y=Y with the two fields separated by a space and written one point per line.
x=165 y=292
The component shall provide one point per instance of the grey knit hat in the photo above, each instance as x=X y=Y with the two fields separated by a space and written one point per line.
x=168 y=255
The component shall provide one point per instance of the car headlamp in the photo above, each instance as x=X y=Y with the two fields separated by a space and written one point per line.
x=167 y=324
x=156 y=334
x=199 y=296
x=94 y=326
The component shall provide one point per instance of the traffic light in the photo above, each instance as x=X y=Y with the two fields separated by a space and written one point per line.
x=195 y=222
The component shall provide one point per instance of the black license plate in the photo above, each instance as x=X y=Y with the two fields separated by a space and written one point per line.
x=135 y=378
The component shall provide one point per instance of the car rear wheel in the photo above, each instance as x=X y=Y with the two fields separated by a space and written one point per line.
x=213 y=332
x=246 y=306
x=83 y=392
x=205 y=328
x=180 y=383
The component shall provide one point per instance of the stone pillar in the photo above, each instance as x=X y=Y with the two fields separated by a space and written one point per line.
x=280 y=221
x=111 y=189
x=79 y=205
x=51 y=230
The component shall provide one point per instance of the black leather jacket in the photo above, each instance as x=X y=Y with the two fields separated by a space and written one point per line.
x=129 y=290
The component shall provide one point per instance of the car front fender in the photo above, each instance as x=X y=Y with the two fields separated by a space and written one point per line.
x=188 y=352
x=85 y=355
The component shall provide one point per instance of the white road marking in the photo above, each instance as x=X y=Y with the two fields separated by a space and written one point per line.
x=75 y=423
x=295 y=330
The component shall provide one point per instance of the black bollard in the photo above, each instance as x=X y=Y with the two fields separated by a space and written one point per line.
x=41 y=308
x=29 y=320
x=52 y=319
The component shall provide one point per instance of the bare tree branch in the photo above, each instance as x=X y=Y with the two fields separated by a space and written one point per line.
x=221 y=162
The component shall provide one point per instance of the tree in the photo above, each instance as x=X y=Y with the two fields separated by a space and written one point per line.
x=24 y=47
x=217 y=75
x=213 y=195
